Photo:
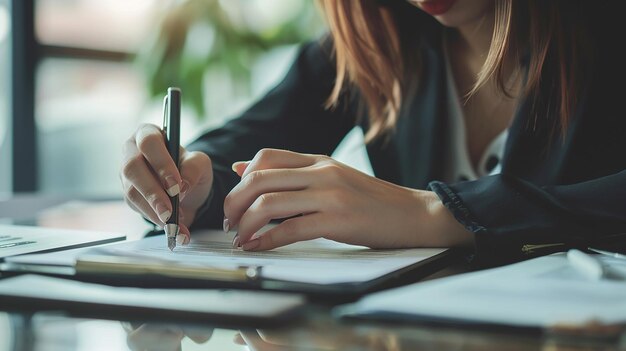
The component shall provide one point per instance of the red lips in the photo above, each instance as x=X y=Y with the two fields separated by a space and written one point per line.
x=436 y=7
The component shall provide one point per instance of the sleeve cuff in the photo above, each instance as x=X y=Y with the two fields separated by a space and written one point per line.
x=461 y=213
x=454 y=203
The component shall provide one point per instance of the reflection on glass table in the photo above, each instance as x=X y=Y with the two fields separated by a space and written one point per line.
x=46 y=331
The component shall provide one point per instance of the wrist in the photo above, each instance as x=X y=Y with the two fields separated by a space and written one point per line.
x=445 y=230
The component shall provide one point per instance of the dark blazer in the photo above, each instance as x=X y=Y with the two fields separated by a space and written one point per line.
x=570 y=192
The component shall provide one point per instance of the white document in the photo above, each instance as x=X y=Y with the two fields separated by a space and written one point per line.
x=318 y=261
x=17 y=240
x=540 y=292
x=66 y=258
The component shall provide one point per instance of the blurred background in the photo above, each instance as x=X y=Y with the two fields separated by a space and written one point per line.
x=79 y=75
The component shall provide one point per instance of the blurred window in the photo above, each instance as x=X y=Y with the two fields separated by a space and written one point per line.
x=88 y=93
x=85 y=110
x=117 y=25
x=102 y=65
x=5 y=112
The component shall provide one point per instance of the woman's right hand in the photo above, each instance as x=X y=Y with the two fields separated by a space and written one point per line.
x=149 y=174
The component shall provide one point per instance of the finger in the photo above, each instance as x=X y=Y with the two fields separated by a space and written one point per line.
x=140 y=206
x=197 y=174
x=274 y=158
x=238 y=339
x=199 y=335
x=136 y=202
x=240 y=166
x=184 y=235
x=307 y=227
x=195 y=168
x=151 y=143
x=254 y=184
x=137 y=173
x=255 y=342
x=155 y=337
x=277 y=205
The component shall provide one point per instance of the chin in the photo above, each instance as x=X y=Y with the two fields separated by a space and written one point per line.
x=458 y=13
x=448 y=20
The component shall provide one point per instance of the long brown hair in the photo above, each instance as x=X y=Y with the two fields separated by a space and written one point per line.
x=373 y=54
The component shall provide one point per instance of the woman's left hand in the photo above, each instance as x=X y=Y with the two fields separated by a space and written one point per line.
x=325 y=198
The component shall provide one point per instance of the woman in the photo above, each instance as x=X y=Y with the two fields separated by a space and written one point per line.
x=489 y=123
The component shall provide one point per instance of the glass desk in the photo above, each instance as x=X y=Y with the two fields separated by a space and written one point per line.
x=315 y=330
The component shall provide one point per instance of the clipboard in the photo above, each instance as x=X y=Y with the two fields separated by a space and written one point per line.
x=248 y=278
x=335 y=293
x=227 y=307
x=93 y=266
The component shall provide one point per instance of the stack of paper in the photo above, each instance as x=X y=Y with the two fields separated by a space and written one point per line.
x=542 y=292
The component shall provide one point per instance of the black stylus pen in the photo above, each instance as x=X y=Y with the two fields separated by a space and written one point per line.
x=171 y=131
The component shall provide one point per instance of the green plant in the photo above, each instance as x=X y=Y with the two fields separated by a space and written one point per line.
x=201 y=34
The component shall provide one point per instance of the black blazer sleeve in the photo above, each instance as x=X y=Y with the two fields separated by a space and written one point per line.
x=291 y=116
x=513 y=219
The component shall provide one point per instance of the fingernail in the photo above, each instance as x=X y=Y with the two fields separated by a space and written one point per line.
x=237 y=164
x=226 y=225
x=236 y=241
x=185 y=187
x=163 y=213
x=173 y=188
x=251 y=245
x=180 y=239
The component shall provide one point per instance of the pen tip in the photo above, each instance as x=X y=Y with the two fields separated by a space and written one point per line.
x=171 y=243
x=171 y=231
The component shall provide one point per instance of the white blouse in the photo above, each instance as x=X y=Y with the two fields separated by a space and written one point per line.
x=458 y=166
